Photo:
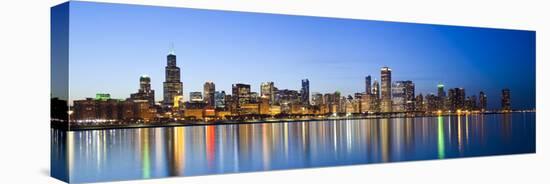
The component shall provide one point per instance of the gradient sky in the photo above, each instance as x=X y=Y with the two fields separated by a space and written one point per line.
x=111 y=45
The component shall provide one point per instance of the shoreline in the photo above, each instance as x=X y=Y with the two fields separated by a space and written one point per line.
x=185 y=123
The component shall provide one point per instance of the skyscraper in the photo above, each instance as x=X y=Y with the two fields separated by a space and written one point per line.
x=409 y=96
x=456 y=99
x=452 y=99
x=219 y=99
x=286 y=96
x=304 y=93
x=316 y=98
x=431 y=103
x=241 y=93
x=267 y=90
x=403 y=96
x=368 y=90
x=470 y=103
x=440 y=90
x=172 y=85
x=419 y=103
x=208 y=93
x=505 y=100
x=255 y=97
x=145 y=92
x=441 y=97
x=376 y=89
x=461 y=98
x=482 y=101
x=385 y=74
x=375 y=97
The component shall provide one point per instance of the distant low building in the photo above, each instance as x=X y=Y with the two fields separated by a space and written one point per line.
x=105 y=111
x=222 y=115
x=193 y=114
x=275 y=110
x=85 y=110
x=249 y=108
x=298 y=109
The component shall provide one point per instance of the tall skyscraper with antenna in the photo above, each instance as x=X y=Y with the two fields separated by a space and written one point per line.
x=173 y=87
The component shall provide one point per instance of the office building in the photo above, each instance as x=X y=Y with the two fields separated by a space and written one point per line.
x=267 y=89
x=145 y=92
x=208 y=93
x=441 y=97
x=304 y=92
x=368 y=90
x=172 y=85
x=316 y=98
x=403 y=96
x=241 y=93
x=219 y=99
x=456 y=99
x=482 y=101
x=505 y=100
x=419 y=103
x=195 y=96
x=386 y=105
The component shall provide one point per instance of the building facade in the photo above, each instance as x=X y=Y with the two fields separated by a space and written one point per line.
x=241 y=93
x=195 y=96
x=209 y=89
x=368 y=90
x=145 y=92
x=267 y=89
x=219 y=99
x=506 y=104
x=172 y=85
x=386 y=105
x=482 y=101
x=456 y=99
x=403 y=96
x=441 y=97
x=304 y=92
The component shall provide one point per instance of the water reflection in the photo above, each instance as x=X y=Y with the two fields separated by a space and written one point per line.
x=102 y=155
x=440 y=138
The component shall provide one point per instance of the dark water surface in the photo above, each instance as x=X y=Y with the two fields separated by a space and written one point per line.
x=122 y=154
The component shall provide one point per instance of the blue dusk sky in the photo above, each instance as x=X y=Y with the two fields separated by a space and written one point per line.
x=112 y=45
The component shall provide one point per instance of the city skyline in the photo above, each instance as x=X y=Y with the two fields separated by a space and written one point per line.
x=393 y=96
x=455 y=56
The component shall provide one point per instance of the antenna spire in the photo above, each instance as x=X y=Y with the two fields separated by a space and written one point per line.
x=171 y=49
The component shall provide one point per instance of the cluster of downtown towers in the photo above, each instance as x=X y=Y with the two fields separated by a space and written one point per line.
x=378 y=97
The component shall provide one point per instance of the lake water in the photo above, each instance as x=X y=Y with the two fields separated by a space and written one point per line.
x=122 y=154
